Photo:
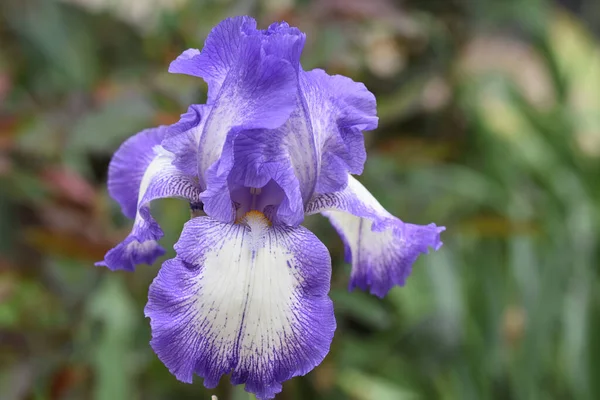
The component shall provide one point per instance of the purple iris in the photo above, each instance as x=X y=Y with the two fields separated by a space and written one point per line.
x=247 y=293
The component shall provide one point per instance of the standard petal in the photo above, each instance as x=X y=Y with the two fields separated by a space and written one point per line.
x=160 y=179
x=259 y=93
x=380 y=246
x=253 y=84
x=250 y=300
x=339 y=110
x=223 y=48
x=219 y=54
x=128 y=165
x=251 y=158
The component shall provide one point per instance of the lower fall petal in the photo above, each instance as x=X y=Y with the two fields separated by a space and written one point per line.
x=160 y=179
x=380 y=246
x=128 y=165
x=382 y=259
x=246 y=299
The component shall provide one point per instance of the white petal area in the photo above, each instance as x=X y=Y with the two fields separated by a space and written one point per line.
x=381 y=248
x=354 y=199
x=247 y=299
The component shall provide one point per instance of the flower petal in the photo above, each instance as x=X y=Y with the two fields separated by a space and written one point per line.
x=260 y=93
x=128 y=166
x=380 y=247
x=250 y=300
x=220 y=53
x=160 y=179
x=223 y=45
x=339 y=110
x=251 y=158
x=273 y=154
x=182 y=138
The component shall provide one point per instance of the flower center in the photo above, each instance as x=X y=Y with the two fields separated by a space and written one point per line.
x=264 y=200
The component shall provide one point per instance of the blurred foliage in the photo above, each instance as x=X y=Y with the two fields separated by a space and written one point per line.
x=490 y=125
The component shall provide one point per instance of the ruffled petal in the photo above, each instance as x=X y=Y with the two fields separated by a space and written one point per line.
x=380 y=246
x=259 y=93
x=182 y=138
x=251 y=158
x=339 y=110
x=222 y=48
x=247 y=299
x=261 y=156
x=219 y=54
x=160 y=179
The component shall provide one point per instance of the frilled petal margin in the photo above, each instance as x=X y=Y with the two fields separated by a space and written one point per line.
x=380 y=246
x=220 y=52
x=250 y=300
x=142 y=171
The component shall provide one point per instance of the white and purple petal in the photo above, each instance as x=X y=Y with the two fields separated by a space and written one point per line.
x=253 y=85
x=220 y=53
x=223 y=48
x=286 y=155
x=339 y=110
x=183 y=138
x=247 y=299
x=381 y=248
x=160 y=179
x=259 y=94
x=128 y=165
x=265 y=155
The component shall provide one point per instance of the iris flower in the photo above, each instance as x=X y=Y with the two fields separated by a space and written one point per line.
x=247 y=293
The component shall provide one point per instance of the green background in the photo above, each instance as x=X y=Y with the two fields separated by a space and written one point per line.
x=489 y=125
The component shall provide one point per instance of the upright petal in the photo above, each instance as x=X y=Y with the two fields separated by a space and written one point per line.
x=252 y=76
x=250 y=300
x=259 y=93
x=223 y=46
x=251 y=158
x=160 y=179
x=220 y=53
x=339 y=110
x=380 y=247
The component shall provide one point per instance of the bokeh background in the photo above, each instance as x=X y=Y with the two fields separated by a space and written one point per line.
x=489 y=125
